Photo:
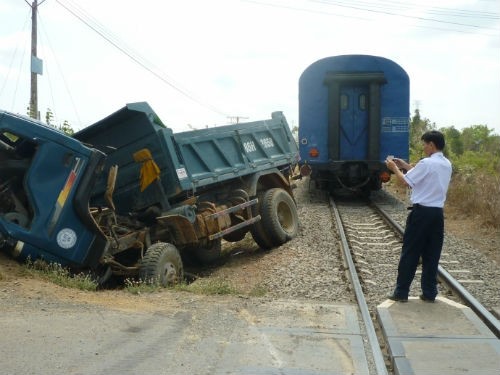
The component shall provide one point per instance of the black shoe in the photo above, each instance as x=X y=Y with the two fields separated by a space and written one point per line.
x=393 y=297
x=426 y=299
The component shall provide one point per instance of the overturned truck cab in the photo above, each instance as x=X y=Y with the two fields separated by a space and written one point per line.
x=46 y=181
x=127 y=196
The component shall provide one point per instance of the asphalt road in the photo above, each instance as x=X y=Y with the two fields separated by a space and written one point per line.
x=191 y=335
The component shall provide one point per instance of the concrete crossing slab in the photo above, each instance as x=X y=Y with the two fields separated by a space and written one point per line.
x=437 y=338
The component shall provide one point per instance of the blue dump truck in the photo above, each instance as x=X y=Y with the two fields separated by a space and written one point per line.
x=128 y=197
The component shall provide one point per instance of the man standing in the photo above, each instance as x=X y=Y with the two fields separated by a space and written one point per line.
x=424 y=233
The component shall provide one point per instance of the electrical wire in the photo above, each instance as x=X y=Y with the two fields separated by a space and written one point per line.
x=54 y=109
x=14 y=97
x=12 y=63
x=440 y=10
x=392 y=13
x=393 y=8
x=398 y=5
x=97 y=27
x=47 y=72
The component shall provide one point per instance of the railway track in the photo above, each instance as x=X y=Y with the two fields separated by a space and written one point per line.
x=371 y=244
x=451 y=278
x=374 y=239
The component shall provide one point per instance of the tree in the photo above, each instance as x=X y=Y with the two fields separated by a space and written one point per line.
x=493 y=144
x=454 y=143
x=475 y=137
x=418 y=126
x=66 y=128
x=49 y=116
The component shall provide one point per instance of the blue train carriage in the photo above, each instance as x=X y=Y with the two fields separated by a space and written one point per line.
x=353 y=113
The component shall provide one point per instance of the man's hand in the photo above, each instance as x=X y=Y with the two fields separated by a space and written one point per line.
x=391 y=165
x=401 y=164
x=395 y=165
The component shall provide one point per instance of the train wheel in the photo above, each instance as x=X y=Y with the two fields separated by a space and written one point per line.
x=161 y=265
x=258 y=231
x=279 y=216
x=208 y=255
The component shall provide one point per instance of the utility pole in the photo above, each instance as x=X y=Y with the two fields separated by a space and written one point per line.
x=36 y=63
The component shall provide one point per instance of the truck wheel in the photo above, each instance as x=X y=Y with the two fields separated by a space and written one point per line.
x=258 y=231
x=208 y=255
x=279 y=216
x=161 y=265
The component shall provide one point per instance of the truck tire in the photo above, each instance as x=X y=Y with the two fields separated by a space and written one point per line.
x=258 y=231
x=209 y=255
x=279 y=216
x=161 y=265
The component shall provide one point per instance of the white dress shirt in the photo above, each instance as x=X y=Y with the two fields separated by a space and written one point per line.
x=429 y=180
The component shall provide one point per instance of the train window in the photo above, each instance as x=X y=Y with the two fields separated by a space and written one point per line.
x=362 y=102
x=344 y=101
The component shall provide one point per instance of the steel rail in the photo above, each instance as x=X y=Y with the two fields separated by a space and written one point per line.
x=481 y=311
x=363 y=306
x=488 y=318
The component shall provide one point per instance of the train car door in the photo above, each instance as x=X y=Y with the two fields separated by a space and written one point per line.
x=354 y=115
x=353 y=122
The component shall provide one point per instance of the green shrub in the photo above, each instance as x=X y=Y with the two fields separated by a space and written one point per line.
x=472 y=162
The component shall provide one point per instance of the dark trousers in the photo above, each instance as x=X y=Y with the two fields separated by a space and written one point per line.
x=423 y=237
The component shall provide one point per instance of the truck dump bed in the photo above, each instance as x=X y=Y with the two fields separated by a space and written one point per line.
x=188 y=161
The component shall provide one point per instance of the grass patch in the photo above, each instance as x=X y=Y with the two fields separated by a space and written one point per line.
x=258 y=291
x=59 y=275
x=201 y=286
x=139 y=286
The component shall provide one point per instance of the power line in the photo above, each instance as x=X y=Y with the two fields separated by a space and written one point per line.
x=62 y=75
x=386 y=9
x=391 y=13
x=398 y=5
x=93 y=24
x=12 y=62
x=445 y=11
x=14 y=97
x=306 y=10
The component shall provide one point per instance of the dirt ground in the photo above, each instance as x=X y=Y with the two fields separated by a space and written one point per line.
x=245 y=268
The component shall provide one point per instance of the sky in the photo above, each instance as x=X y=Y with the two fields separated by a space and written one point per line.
x=205 y=63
